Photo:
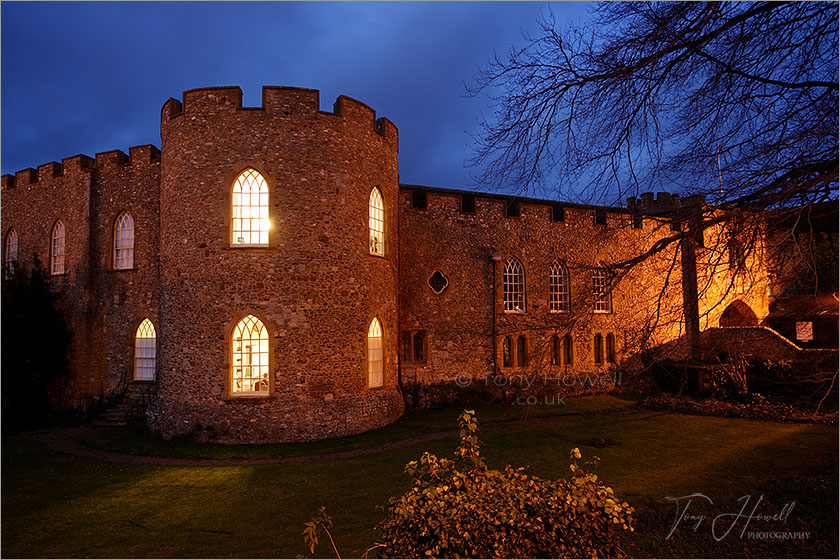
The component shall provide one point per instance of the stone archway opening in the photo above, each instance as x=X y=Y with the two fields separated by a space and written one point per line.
x=738 y=314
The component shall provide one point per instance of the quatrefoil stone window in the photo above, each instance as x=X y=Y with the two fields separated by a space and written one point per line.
x=438 y=282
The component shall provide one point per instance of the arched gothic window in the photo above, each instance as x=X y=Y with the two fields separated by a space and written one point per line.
x=124 y=242
x=602 y=290
x=374 y=346
x=568 y=350
x=11 y=251
x=376 y=222
x=559 y=294
x=610 y=348
x=145 y=351
x=249 y=357
x=514 y=287
x=57 y=249
x=598 y=349
x=507 y=352
x=249 y=209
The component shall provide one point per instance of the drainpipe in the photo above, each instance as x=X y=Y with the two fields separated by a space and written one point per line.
x=494 y=258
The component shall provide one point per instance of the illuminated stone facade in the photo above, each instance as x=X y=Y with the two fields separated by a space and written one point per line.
x=316 y=286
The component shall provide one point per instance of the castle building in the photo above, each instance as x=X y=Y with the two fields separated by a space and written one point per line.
x=267 y=276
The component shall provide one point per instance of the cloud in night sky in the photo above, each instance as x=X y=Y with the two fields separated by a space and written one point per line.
x=90 y=77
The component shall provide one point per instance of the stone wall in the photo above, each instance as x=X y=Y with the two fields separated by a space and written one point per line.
x=316 y=286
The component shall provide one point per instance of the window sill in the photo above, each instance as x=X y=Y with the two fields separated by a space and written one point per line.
x=513 y=312
x=601 y=312
x=558 y=311
x=378 y=256
x=132 y=269
x=377 y=388
x=254 y=248
x=247 y=397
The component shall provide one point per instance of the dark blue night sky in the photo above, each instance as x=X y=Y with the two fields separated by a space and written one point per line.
x=91 y=77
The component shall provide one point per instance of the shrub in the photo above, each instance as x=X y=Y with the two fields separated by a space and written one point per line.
x=35 y=342
x=462 y=508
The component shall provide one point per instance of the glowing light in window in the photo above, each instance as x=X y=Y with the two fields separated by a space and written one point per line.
x=374 y=344
x=249 y=209
x=124 y=242
x=376 y=222
x=249 y=357
x=145 y=351
x=57 y=249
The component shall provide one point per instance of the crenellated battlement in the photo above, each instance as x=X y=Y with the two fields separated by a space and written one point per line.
x=143 y=155
x=276 y=100
x=146 y=154
x=461 y=203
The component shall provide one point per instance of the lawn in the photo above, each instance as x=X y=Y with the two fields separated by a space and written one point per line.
x=56 y=505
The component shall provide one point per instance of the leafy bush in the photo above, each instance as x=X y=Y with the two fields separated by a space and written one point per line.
x=35 y=342
x=462 y=508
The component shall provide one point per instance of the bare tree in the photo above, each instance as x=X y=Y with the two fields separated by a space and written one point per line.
x=734 y=101
x=737 y=101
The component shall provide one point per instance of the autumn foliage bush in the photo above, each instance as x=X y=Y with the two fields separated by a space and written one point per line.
x=461 y=508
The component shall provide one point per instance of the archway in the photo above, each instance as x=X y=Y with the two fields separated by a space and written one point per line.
x=738 y=314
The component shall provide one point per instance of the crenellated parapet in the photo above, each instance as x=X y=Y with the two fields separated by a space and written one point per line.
x=277 y=101
x=461 y=204
x=138 y=156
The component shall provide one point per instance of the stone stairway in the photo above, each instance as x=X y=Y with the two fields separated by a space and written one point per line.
x=122 y=412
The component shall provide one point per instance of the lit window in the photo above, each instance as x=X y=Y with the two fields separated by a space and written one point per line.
x=611 y=348
x=521 y=351
x=376 y=222
x=57 y=249
x=514 y=287
x=249 y=209
x=598 y=349
x=11 y=251
x=249 y=353
x=145 y=351
x=559 y=296
x=374 y=344
x=601 y=290
x=124 y=242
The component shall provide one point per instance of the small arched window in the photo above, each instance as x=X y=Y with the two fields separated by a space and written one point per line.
x=124 y=242
x=514 y=287
x=249 y=209
x=610 y=348
x=568 y=350
x=374 y=345
x=507 y=352
x=602 y=290
x=249 y=357
x=57 y=248
x=10 y=251
x=556 y=351
x=522 y=351
x=376 y=222
x=562 y=350
x=559 y=294
x=145 y=351
x=598 y=349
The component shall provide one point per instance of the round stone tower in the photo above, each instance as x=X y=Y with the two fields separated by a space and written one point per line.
x=270 y=281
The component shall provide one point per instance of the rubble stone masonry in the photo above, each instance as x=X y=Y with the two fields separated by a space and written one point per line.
x=316 y=286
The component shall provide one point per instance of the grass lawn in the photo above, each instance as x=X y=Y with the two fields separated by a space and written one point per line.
x=56 y=505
